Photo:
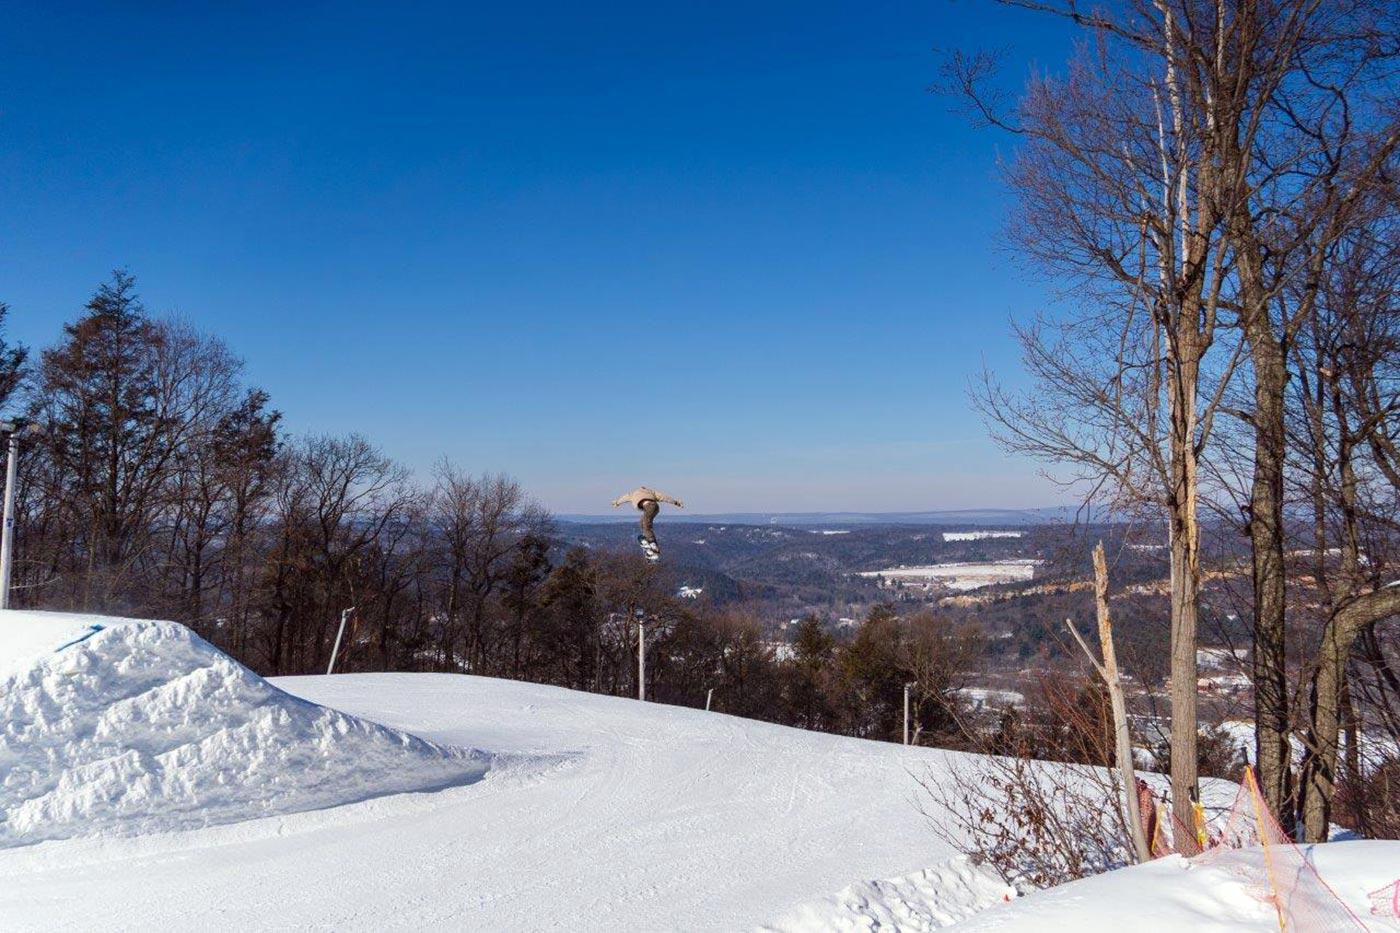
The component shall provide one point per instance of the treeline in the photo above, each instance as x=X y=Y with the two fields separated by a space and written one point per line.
x=1218 y=187
x=160 y=484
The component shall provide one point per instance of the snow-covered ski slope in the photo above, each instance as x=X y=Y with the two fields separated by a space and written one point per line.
x=593 y=813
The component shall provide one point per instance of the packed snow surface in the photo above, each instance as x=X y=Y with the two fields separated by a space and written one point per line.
x=1218 y=892
x=597 y=813
x=928 y=900
x=118 y=727
x=590 y=812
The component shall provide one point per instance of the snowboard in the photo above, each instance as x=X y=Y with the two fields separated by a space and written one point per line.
x=649 y=549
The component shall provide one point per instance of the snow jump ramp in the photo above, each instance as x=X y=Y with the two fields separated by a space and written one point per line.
x=124 y=727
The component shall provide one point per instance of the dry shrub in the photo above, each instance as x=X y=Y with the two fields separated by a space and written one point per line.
x=1038 y=805
x=1037 y=823
x=1369 y=803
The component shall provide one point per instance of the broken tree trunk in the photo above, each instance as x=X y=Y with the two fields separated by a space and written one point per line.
x=1108 y=670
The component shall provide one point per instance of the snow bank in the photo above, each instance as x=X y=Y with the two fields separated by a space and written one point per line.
x=930 y=899
x=1174 y=893
x=125 y=727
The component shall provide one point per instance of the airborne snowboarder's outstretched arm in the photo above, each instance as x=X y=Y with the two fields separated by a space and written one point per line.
x=644 y=493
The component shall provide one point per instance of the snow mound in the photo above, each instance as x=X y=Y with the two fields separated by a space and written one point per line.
x=125 y=727
x=927 y=900
x=25 y=637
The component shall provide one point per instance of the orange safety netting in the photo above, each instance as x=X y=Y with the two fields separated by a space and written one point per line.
x=1249 y=842
x=1385 y=902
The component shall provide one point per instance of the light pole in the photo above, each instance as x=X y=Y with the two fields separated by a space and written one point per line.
x=912 y=683
x=344 y=616
x=641 y=657
x=12 y=430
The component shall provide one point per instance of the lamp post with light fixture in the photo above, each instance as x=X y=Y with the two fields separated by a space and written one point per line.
x=12 y=430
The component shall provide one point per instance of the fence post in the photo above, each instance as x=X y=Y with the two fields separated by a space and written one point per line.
x=907 y=686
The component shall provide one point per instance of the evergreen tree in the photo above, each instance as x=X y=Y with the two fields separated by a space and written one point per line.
x=871 y=677
x=12 y=360
x=813 y=649
x=97 y=394
x=571 y=595
x=527 y=571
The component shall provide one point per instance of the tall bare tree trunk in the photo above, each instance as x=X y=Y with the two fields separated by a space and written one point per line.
x=1266 y=534
x=1185 y=587
x=1185 y=590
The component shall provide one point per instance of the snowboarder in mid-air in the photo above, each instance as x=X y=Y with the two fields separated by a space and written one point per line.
x=648 y=502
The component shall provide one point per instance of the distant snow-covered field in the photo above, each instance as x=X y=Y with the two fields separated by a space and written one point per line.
x=960 y=576
x=987 y=696
x=979 y=535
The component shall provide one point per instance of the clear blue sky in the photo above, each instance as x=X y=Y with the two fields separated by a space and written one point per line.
x=733 y=250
